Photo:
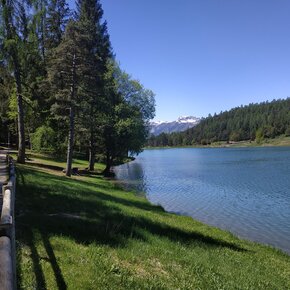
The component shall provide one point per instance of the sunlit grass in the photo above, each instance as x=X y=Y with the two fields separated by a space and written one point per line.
x=87 y=233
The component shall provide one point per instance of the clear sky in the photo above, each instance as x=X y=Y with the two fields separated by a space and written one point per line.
x=203 y=56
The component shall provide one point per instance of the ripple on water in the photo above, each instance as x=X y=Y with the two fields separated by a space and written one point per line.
x=246 y=191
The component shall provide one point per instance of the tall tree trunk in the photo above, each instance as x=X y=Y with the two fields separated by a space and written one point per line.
x=107 y=170
x=92 y=152
x=70 y=143
x=109 y=162
x=92 y=159
x=20 y=121
x=71 y=120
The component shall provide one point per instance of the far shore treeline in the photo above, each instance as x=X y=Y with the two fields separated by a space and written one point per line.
x=61 y=88
x=255 y=122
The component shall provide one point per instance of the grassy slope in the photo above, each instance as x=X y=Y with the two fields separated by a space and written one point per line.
x=86 y=233
x=278 y=141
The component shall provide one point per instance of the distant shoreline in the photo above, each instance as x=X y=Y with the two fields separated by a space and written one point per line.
x=281 y=141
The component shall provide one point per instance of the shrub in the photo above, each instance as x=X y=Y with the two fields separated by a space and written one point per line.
x=44 y=139
x=259 y=136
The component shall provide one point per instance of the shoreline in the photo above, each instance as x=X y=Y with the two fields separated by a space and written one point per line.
x=250 y=236
x=123 y=240
x=236 y=234
x=276 y=142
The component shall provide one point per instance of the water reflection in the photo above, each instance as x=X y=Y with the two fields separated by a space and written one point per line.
x=133 y=176
x=246 y=191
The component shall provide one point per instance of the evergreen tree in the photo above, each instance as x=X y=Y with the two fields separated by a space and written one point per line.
x=60 y=79
x=66 y=69
x=11 y=13
x=89 y=14
x=56 y=19
x=252 y=122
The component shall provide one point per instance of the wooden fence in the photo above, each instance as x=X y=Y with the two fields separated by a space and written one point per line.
x=7 y=230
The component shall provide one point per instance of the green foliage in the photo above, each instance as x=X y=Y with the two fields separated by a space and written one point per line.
x=129 y=106
x=44 y=139
x=287 y=132
x=259 y=136
x=203 y=142
x=62 y=72
x=235 y=136
x=269 y=131
x=268 y=119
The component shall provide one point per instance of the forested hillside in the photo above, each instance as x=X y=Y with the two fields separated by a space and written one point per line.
x=251 y=122
x=61 y=88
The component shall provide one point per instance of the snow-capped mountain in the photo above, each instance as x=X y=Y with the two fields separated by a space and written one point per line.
x=182 y=124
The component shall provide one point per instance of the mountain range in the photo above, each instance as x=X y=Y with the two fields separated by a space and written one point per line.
x=181 y=124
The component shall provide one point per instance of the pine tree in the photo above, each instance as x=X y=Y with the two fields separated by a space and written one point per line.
x=56 y=19
x=69 y=66
x=12 y=44
x=39 y=23
x=89 y=14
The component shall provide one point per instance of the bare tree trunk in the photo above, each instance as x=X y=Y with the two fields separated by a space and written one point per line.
x=20 y=122
x=92 y=152
x=92 y=160
x=109 y=162
x=70 y=142
x=71 y=121
x=107 y=170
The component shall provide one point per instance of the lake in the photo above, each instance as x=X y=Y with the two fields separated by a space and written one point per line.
x=243 y=190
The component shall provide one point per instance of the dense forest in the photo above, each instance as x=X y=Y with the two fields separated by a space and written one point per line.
x=61 y=88
x=252 y=122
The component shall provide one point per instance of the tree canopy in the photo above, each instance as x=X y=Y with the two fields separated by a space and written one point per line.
x=252 y=122
x=61 y=88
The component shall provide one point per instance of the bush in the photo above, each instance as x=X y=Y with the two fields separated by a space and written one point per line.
x=235 y=136
x=287 y=132
x=44 y=139
x=259 y=136
x=269 y=132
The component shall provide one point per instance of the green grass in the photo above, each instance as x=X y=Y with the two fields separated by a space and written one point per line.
x=278 y=141
x=87 y=233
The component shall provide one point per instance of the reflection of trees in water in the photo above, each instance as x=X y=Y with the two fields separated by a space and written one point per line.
x=133 y=176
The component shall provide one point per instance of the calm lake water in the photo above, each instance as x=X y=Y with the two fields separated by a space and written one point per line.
x=243 y=190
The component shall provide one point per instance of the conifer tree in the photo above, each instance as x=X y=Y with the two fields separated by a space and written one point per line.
x=66 y=69
x=39 y=23
x=89 y=14
x=56 y=19
x=12 y=44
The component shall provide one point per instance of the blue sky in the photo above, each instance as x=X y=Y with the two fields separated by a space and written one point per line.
x=203 y=56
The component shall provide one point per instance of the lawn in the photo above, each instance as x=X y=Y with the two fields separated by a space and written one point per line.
x=85 y=232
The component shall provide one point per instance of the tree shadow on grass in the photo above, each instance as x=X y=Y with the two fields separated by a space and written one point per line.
x=53 y=261
x=30 y=242
x=90 y=216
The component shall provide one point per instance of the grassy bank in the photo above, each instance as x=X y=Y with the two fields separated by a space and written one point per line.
x=85 y=232
x=278 y=141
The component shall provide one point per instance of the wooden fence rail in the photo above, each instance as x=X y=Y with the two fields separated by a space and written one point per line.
x=7 y=230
